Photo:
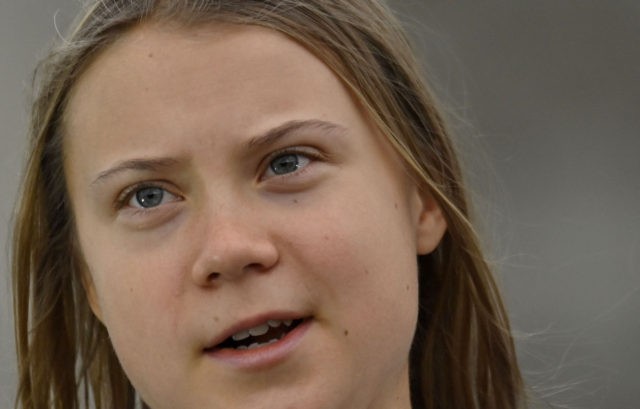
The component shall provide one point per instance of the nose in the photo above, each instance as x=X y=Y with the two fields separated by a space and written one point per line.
x=230 y=248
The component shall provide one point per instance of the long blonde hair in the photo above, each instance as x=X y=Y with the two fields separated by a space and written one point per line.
x=463 y=354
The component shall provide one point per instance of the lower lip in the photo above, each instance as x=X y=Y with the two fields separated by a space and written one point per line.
x=265 y=356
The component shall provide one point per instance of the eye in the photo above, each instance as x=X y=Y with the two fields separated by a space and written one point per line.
x=148 y=197
x=287 y=163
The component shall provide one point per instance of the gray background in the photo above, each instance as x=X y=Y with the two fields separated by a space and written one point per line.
x=545 y=98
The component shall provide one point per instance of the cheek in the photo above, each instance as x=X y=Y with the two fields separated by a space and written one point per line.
x=134 y=283
x=138 y=298
x=369 y=294
x=362 y=251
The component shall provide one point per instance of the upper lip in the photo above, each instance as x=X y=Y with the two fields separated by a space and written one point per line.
x=250 y=322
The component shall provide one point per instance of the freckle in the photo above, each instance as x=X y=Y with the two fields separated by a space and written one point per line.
x=326 y=237
x=295 y=200
x=408 y=288
x=395 y=205
x=150 y=55
x=366 y=272
x=346 y=332
x=216 y=318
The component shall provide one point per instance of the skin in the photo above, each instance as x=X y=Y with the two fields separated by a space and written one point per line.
x=336 y=239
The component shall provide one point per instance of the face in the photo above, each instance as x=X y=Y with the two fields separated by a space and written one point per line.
x=250 y=237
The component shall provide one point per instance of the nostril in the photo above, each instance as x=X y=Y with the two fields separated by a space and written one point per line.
x=213 y=277
x=255 y=267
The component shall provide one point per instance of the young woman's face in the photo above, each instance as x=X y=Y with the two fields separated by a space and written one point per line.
x=250 y=238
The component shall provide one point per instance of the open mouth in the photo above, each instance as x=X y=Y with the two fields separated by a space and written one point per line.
x=261 y=335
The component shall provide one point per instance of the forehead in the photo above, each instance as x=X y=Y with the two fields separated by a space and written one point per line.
x=164 y=80
x=214 y=57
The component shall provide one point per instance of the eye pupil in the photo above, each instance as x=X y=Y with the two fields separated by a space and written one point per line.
x=285 y=164
x=150 y=196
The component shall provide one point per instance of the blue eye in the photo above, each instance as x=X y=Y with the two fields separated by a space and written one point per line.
x=288 y=163
x=150 y=197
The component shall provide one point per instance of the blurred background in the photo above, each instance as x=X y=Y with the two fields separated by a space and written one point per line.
x=544 y=97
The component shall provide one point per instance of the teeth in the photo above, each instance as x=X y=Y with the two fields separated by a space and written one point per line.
x=274 y=323
x=257 y=344
x=241 y=335
x=259 y=330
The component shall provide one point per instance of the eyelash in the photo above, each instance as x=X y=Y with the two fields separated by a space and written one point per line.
x=126 y=195
x=309 y=153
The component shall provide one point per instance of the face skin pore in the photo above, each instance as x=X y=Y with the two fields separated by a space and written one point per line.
x=221 y=177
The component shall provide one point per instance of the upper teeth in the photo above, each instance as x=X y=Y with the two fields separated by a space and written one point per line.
x=260 y=329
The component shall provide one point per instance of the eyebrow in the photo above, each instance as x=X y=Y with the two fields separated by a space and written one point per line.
x=142 y=164
x=293 y=127
x=281 y=131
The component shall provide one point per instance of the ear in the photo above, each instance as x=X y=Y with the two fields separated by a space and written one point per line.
x=429 y=221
